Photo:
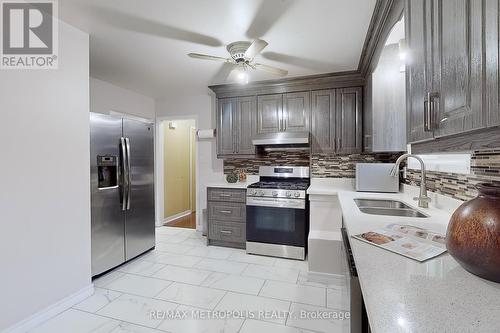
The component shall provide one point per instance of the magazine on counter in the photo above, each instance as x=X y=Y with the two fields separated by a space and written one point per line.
x=409 y=241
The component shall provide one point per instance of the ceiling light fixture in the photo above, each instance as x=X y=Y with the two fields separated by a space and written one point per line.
x=242 y=75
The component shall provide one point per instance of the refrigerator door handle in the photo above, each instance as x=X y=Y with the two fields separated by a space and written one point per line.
x=129 y=181
x=124 y=185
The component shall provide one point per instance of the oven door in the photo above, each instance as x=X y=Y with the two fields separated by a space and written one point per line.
x=277 y=221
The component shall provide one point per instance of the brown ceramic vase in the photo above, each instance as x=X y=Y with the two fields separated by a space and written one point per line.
x=473 y=236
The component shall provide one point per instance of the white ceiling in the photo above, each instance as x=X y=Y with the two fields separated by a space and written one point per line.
x=142 y=44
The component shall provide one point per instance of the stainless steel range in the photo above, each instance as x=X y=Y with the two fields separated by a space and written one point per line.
x=278 y=212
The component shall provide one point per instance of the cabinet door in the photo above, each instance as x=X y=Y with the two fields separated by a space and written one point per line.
x=323 y=121
x=349 y=124
x=418 y=74
x=296 y=112
x=269 y=113
x=458 y=66
x=245 y=125
x=225 y=130
x=492 y=37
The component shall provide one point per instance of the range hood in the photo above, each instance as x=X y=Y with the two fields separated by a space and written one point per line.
x=282 y=138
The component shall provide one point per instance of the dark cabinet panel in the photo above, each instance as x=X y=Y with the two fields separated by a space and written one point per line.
x=323 y=121
x=225 y=130
x=349 y=123
x=418 y=75
x=269 y=113
x=236 y=118
x=492 y=58
x=457 y=66
x=245 y=129
x=446 y=68
x=296 y=112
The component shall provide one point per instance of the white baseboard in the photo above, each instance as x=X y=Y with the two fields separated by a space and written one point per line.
x=327 y=278
x=51 y=311
x=177 y=216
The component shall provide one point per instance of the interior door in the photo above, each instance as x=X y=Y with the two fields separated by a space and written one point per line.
x=269 y=113
x=140 y=215
x=458 y=66
x=107 y=217
x=296 y=112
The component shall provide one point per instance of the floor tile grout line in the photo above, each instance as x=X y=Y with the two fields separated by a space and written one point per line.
x=124 y=321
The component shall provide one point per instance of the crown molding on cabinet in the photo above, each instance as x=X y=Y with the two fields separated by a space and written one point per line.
x=295 y=84
x=385 y=15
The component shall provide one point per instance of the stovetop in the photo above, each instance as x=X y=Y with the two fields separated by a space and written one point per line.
x=296 y=185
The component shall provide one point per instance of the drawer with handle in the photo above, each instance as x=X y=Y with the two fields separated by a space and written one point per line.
x=227 y=211
x=231 y=195
x=227 y=231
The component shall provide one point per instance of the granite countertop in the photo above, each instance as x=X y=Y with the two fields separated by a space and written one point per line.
x=403 y=295
x=222 y=183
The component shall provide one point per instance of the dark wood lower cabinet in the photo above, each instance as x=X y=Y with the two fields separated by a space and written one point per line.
x=226 y=217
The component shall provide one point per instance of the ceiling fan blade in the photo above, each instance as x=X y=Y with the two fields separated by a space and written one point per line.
x=255 y=48
x=208 y=57
x=223 y=73
x=268 y=13
x=131 y=22
x=271 y=69
x=320 y=66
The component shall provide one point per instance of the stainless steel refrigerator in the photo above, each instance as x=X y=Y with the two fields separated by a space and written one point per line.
x=122 y=189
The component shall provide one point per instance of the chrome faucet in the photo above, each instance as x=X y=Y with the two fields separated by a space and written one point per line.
x=423 y=199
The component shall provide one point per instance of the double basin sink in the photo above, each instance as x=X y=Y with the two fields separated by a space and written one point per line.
x=387 y=207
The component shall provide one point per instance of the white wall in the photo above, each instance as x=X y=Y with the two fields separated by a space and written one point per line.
x=44 y=177
x=106 y=97
x=202 y=109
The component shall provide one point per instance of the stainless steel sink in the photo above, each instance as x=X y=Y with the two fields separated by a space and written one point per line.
x=387 y=207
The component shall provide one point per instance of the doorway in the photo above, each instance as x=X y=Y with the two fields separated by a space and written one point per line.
x=179 y=173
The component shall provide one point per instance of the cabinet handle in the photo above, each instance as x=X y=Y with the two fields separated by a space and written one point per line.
x=225 y=211
x=225 y=195
x=227 y=232
x=429 y=111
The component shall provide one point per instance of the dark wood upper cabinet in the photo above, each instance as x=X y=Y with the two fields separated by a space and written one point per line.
x=336 y=121
x=245 y=125
x=349 y=124
x=236 y=126
x=296 y=112
x=418 y=74
x=323 y=121
x=492 y=58
x=445 y=80
x=457 y=67
x=225 y=126
x=269 y=113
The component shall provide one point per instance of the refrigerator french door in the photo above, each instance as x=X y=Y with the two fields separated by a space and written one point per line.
x=122 y=190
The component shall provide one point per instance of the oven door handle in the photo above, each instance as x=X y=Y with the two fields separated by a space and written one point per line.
x=276 y=203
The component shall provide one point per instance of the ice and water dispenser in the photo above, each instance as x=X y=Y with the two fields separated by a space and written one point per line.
x=107 y=171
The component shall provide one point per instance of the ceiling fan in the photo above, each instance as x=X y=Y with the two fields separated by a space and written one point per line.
x=242 y=59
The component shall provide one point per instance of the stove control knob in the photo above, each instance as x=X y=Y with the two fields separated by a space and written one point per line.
x=253 y=192
x=275 y=193
x=261 y=193
x=297 y=194
x=288 y=194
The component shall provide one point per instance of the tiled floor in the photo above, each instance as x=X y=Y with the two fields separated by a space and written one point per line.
x=196 y=283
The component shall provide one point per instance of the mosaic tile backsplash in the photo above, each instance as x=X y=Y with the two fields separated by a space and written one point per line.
x=485 y=167
x=251 y=165
x=322 y=165
x=344 y=166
